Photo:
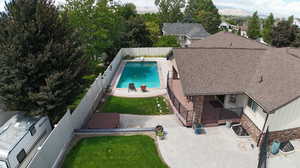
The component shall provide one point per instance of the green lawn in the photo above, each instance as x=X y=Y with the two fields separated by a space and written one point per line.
x=142 y=106
x=137 y=151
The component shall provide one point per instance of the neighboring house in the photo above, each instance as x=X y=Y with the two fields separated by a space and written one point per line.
x=232 y=78
x=228 y=27
x=19 y=136
x=297 y=22
x=187 y=33
x=224 y=25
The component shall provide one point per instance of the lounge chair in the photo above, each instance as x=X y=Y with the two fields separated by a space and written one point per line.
x=144 y=88
x=131 y=87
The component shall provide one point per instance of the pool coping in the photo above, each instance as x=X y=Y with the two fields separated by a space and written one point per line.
x=151 y=91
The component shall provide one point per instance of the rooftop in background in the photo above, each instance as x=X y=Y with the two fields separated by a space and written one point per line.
x=228 y=40
x=13 y=131
x=191 y=30
x=229 y=64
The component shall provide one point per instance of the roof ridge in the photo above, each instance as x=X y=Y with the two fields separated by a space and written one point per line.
x=246 y=38
x=291 y=54
x=223 y=48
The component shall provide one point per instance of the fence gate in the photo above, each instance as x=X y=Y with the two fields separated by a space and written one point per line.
x=263 y=151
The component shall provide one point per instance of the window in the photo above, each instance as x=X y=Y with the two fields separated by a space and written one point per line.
x=21 y=155
x=232 y=99
x=252 y=104
x=32 y=130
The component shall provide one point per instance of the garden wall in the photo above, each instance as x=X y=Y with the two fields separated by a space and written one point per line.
x=52 y=151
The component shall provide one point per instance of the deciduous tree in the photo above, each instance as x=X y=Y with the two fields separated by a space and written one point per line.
x=170 y=10
x=205 y=13
x=167 y=41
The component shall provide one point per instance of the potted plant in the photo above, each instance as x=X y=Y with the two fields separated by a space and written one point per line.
x=161 y=135
x=197 y=128
x=159 y=130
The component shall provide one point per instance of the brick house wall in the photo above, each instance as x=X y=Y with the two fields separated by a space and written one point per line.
x=285 y=135
x=250 y=127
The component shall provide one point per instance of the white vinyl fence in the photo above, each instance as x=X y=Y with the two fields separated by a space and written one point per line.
x=50 y=153
x=138 y=52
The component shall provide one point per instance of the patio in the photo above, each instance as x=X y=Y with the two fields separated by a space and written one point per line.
x=290 y=160
x=213 y=114
x=217 y=147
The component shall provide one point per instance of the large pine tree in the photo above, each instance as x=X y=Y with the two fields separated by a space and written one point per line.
x=41 y=61
x=204 y=12
x=253 y=31
x=284 y=34
x=268 y=26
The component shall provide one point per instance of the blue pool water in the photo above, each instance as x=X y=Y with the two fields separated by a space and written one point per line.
x=140 y=73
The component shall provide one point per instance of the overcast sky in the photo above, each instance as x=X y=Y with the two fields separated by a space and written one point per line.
x=281 y=8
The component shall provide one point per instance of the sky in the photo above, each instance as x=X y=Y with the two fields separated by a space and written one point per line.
x=280 y=8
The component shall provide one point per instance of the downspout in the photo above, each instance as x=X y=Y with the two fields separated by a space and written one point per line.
x=262 y=131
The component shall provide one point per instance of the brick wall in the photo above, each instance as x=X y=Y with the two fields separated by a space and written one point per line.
x=251 y=128
x=285 y=135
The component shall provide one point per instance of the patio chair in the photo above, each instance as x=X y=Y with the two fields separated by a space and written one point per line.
x=144 y=88
x=131 y=87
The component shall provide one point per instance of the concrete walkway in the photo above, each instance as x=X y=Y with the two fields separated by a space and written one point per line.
x=290 y=160
x=217 y=148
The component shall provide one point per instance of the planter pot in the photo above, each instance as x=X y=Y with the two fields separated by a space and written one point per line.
x=197 y=131
x=161 y=137
x=275 y=147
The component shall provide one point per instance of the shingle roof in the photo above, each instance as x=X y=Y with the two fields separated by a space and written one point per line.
x=268 y=75
x=192 y=30
x=227 y=40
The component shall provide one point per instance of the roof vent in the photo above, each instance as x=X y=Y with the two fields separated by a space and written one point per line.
x=230 y=44
x=261 y=79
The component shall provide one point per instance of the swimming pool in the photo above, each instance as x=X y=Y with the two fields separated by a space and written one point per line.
x=140 y=73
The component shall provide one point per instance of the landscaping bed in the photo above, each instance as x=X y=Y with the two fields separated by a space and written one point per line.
x=114 y=152
x=141 y=106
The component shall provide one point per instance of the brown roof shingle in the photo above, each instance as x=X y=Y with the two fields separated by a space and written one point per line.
x=227 y=40
x=269 y=75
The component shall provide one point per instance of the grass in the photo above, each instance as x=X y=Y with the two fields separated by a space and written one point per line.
x=142 y=106
x=137 y=151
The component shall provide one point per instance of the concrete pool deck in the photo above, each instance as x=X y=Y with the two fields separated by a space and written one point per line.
x=163 y=65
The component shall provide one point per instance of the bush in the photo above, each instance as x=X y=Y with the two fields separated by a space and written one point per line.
x=167 y=41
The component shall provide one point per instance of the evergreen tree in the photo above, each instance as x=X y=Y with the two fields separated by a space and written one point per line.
x=41 y=61
x=205 y=13
x=268 y=26
x=170 y=10
x=254 y=27
x=291 y=20
x=137 y=34
x=284 y=34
